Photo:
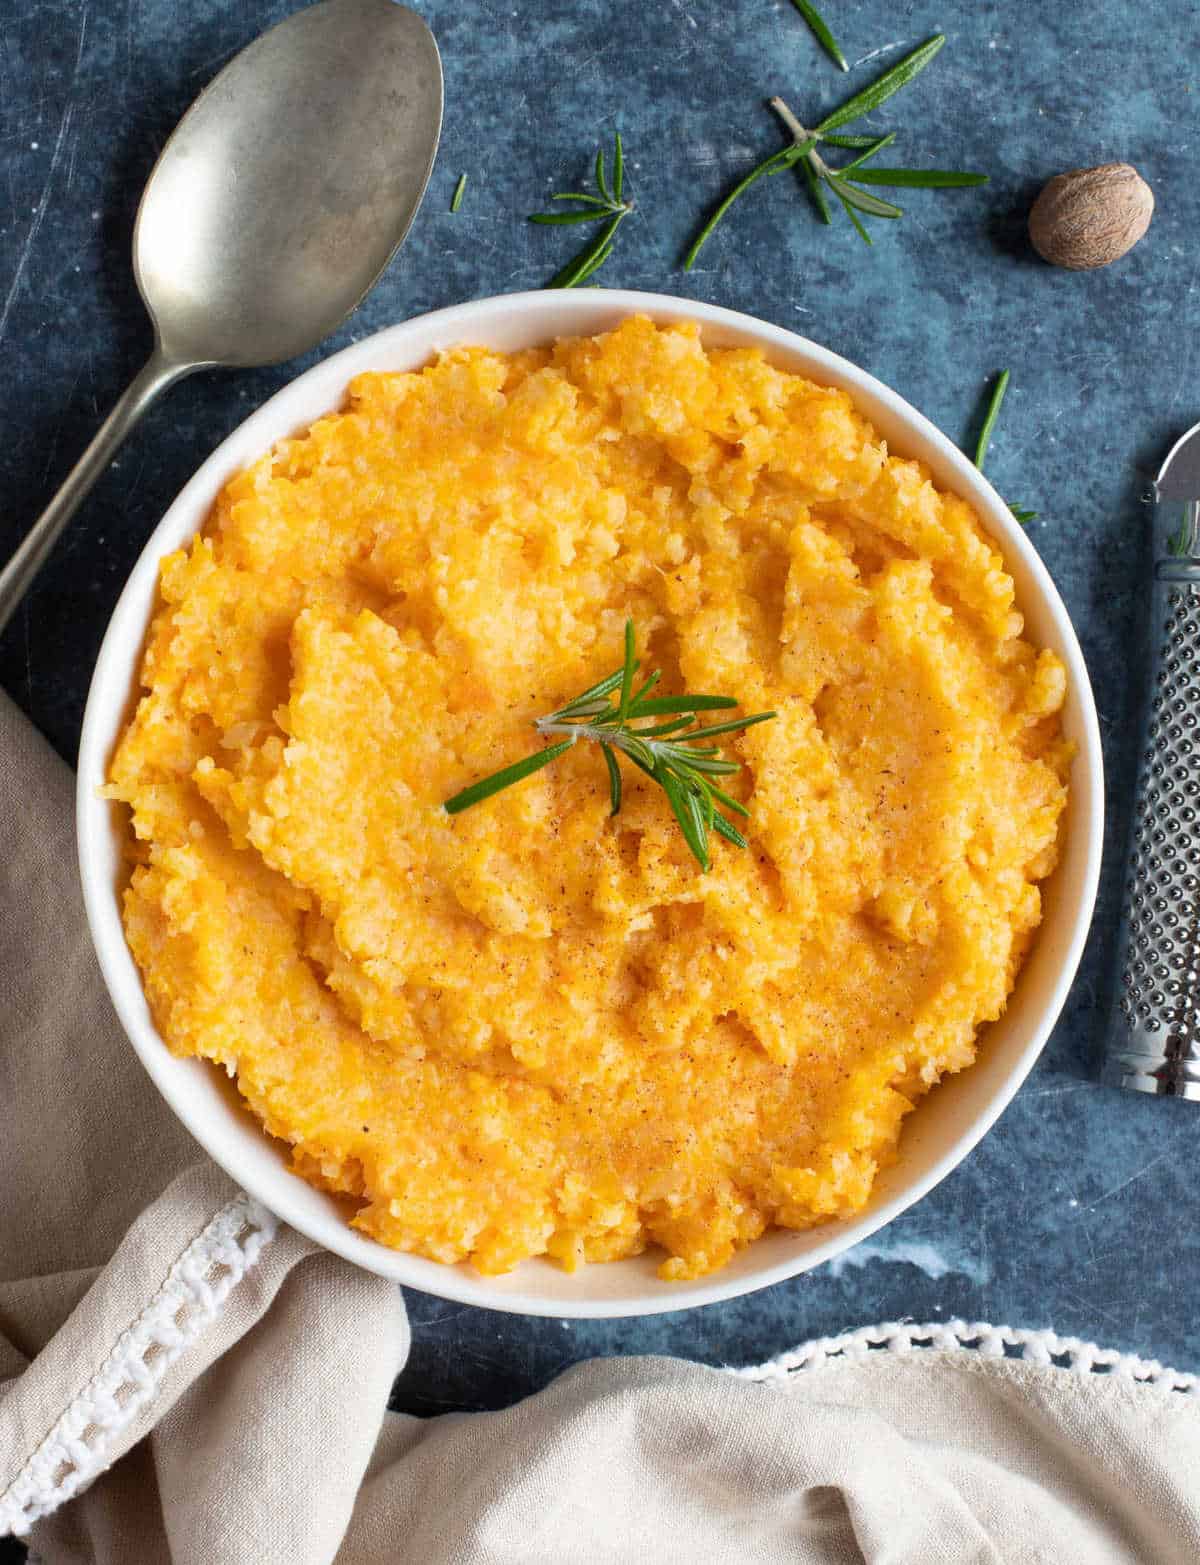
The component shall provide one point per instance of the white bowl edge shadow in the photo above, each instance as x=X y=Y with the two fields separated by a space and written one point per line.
x=940 y=1131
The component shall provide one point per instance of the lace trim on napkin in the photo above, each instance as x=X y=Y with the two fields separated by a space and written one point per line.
x=77 y=1447
x=1046 y=1348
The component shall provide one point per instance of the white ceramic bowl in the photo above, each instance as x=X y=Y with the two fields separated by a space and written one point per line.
x=941 y=1131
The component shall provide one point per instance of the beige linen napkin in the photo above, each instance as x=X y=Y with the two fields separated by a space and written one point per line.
x=184 y=1380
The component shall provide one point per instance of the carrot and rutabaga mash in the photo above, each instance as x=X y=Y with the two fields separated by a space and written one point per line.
x=533 y=1028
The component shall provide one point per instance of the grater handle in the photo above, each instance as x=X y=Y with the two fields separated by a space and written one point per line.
x=1154 y=1040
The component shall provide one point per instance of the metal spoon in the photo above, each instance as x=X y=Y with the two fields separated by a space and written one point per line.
x=284 y=192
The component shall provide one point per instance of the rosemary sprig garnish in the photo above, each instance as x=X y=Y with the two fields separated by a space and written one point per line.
x=456 y=199
x=986 y=430
x=820 y=29
x=661 y=735
x=821 y=177
x=609 y=208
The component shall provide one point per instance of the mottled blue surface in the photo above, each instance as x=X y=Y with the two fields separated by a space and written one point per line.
x=1078 y=1210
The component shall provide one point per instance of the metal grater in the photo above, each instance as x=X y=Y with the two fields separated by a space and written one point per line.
x=1155 y=1040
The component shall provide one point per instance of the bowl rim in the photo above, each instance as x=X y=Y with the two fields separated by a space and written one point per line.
x=112 y=688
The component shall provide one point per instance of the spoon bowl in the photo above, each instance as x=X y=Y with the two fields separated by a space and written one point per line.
x=273 y=209
x=289 y=184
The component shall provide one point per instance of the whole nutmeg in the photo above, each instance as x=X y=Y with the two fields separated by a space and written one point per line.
x=1090 y=216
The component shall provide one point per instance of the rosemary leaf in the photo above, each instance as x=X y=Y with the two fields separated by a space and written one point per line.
x=862 y=200
x=663 y=704
x=917 y=178
x=852 y=214
x=990 y=417
x=731 y=727
x=549 y=218
x=707 y=807
x=618 y=168
x=587 y=706
x=614 y=778
x=627 y=673
x=638 y=750
x=849 y=141
x=985 y=439
x=605 y=687
x=456 y=199
x=777 y=162
x=887 y=85
x=587 y=261
x=649 y=685
x=595 y=263
x=505 y=778
x=729 y=831
x=701 y=763
x=875 y=146
x=728 y=801
x=816 y=190
x=821 y=32
x=699 y=805
x=661 y=729
x=689 y=822
x=596 y=708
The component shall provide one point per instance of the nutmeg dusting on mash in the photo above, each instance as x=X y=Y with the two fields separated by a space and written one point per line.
x=533 y=1029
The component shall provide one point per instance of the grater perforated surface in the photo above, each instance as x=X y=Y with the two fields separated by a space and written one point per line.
x=1158 y=1047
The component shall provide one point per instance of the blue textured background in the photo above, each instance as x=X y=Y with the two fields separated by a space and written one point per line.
x=1078 y=1210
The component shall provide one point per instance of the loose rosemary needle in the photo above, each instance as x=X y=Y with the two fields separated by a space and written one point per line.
x=820 y=30
x=846 y=183
x=608 y=207
x=457 y=199
x=986 y=430
x=661 y=735
x=991 y=414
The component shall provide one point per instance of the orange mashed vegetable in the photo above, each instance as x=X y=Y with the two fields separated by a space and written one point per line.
x=533 y=1029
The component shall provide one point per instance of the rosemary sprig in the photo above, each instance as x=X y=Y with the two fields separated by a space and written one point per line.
x=456 y=199
x=820 y=29
x=986 y=430
x=660 y=735
x=821 y=177
x=609 y=208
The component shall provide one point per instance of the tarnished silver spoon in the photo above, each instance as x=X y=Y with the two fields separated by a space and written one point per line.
x=284 y=192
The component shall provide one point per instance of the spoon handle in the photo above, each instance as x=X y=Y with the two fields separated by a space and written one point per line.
x=158 y=373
